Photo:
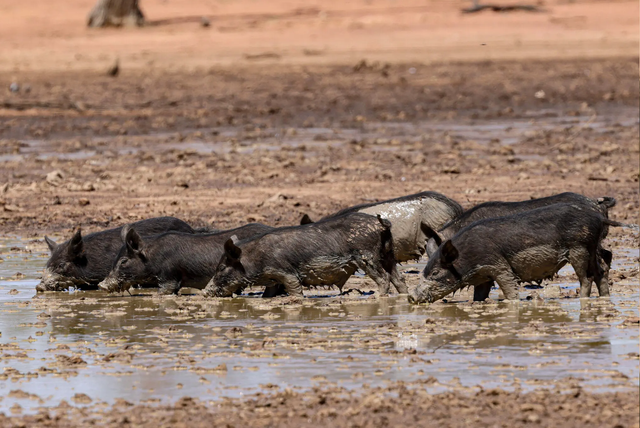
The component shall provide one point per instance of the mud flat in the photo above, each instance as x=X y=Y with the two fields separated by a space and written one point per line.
x=76 y=357
x=223 y=148
x=72 y=358
x=281 y=112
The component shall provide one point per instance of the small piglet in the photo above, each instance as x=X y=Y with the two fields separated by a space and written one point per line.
x=324 y=253
x=500 y=209
x=84 y=261
x=171 y=260
x=525 y=247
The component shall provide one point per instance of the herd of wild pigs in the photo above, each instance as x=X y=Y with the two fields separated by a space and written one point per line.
x=504 y=242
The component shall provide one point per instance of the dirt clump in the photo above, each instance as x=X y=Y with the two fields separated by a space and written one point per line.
x=399 y=405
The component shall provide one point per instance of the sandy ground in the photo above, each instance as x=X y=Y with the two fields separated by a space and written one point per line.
x=49 y=35
x=272 y=112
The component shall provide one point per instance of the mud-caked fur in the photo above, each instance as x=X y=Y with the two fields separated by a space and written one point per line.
x=410 y=216
x=84 y=261
x=171 y=260
x=500 y=209
x=324 y=253
x=524 y=247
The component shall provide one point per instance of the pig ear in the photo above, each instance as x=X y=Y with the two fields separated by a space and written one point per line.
x=231 y=249
x=123 y=233
x=76 y=244
x=430 y=233
x=305 y=219
x=50 y=243
x=449 y=253
x=134 y=243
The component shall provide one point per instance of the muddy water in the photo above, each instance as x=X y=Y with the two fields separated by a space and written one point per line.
x=153 y=348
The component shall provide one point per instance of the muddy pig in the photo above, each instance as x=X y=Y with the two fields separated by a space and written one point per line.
x=83 y=262
x=409 y=216
x=501 y=209
x=171 y=260
x=324 y=253
x=524 y=247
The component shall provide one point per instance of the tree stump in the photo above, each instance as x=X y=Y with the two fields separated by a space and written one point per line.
x=116 y=13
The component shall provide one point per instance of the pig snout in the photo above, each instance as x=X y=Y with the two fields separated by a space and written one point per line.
x=42 y=287
x=109 y=284
x=213 y=289
x=50 y=282
x=420 y=294
x=220 y=292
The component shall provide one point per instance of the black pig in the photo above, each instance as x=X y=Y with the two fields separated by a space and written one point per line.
x=500 y=209
x=525 y=247
x=171 y=260
x=324 y=253
x=83 y=262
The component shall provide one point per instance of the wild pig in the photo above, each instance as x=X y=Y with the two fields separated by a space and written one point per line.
x=171 y=260
x=324 y=253
x=501 y=209
x=83 y=262
x=524 y=247
x=409 y=216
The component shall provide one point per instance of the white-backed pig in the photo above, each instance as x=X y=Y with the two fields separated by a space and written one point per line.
x=410 y=216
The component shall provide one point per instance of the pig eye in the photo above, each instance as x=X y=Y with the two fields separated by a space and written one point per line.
x=435 y=272
x=124 y=262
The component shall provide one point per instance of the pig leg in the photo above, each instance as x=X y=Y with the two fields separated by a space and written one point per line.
x=481 y=291
x=276 y=290
x=379 y=276
x=508 y=283
x=602 y=280
x=398 y=281
x=168 y=287
x=340 y=284
x=291 y=284
x=579 y=259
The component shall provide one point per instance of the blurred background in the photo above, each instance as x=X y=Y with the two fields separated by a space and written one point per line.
x=52 y=35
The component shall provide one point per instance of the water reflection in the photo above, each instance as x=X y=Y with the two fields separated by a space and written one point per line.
x=147 y=346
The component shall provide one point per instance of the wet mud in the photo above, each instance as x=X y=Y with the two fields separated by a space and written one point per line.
x=98 y=350
x=223 y=148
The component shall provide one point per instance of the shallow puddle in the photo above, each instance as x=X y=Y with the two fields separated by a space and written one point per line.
x=147 y=347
